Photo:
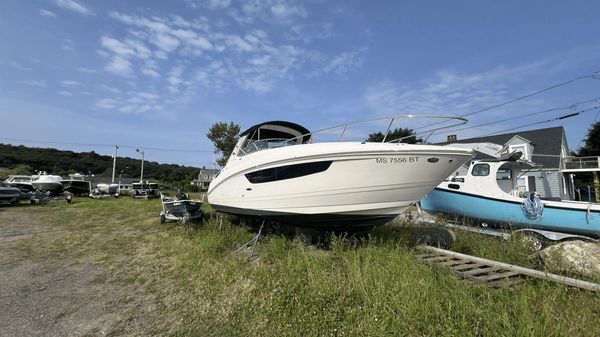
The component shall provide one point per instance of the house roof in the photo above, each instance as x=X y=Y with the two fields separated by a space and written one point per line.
x=545 y=142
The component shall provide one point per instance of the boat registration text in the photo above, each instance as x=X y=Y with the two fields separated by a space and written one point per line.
x=396 y=160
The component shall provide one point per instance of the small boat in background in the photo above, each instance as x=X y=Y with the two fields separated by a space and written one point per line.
x=145 y=190
x=489 y=194
x=107 y=188
x=47 y=183
x=22 y=182
x=9 y=193
x=180 y=208
x=77 y=184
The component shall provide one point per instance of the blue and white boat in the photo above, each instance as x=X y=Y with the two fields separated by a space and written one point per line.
x=488 y=193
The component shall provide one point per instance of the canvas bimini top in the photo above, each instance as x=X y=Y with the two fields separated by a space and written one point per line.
x=277 y=129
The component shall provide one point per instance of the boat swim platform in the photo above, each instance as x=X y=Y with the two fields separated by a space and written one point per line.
x=493 y=273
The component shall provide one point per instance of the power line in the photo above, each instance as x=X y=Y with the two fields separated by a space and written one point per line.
x=595 y=75
x=105 y=145
x=572 y=106
x=545 y=121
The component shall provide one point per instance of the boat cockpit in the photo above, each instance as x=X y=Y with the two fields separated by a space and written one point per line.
x=271 y=135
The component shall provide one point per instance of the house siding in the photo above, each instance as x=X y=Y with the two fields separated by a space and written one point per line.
x=547 y=184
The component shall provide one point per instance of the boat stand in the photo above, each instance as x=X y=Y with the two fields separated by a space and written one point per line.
x=252 y=244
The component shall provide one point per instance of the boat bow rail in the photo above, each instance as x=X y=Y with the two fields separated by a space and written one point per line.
x=275 y=134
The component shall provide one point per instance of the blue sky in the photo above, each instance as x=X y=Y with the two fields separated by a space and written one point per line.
x=158 y=74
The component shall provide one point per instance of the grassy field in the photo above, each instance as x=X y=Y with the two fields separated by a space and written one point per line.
x=369 y=287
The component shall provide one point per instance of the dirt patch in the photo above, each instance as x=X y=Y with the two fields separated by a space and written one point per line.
x=50 y=291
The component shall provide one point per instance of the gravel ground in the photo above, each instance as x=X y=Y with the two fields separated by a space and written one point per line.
x=53 y=292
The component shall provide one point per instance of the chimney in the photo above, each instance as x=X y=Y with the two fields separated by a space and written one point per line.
x=452 y=138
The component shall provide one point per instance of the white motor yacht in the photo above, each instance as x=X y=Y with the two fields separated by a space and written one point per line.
x=277 y=173
x=47 y=183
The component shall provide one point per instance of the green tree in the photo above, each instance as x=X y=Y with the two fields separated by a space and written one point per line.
x=592 y=142
x=224 y=136
x=592 y=148
x=394 y=135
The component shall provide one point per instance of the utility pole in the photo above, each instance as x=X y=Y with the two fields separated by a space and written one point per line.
x=142 y=173
x=114 y=164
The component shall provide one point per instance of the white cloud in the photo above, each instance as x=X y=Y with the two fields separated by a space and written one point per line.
x=35 y=83
x=65 y=93
x=211 y=4
x=110 y=89
x=451 y=93
x=86 y=70
x=70 y=83
x=175 y=79
x=45 y=12
x=74 y=6
x=150 y=72
x=147 y=95
x=67 y=44
x=342 y=63
x=117 y=47
x=120 y=66
x=166 y=42
x=217 y=57
x=19 y=66
x=282 y=11
x=105 y=103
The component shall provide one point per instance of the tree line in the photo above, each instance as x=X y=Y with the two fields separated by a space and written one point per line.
x=26 y=160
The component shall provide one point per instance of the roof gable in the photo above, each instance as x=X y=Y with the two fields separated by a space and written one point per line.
x=547 y=143
x=517 y=140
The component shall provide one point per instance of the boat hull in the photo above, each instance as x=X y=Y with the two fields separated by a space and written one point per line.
x=77 y=187
x=54 y=188
x=10 y=195
x=556 y=216
x=365 y=186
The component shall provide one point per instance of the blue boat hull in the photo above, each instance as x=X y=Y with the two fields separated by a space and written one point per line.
x=505 y=212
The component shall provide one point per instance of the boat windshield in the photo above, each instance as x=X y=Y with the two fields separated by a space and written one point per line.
x=265 y=144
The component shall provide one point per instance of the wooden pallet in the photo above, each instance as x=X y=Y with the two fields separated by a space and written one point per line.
x=475 y=272
x=493 y=273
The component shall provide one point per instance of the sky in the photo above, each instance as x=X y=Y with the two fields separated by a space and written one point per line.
x=84 y=75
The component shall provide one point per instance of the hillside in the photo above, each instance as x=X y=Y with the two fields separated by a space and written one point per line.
x=22 y=159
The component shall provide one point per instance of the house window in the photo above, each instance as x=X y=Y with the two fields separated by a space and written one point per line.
x=481 y=170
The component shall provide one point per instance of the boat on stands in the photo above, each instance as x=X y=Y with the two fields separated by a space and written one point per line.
x=489 y=194
x=279 y=171
x=47 y=183
x=144 y=190
x=110 y=188
x=22 y=182
x=77 y=184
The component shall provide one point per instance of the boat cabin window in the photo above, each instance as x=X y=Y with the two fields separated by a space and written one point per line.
x=481 y=170
x=504 y=174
